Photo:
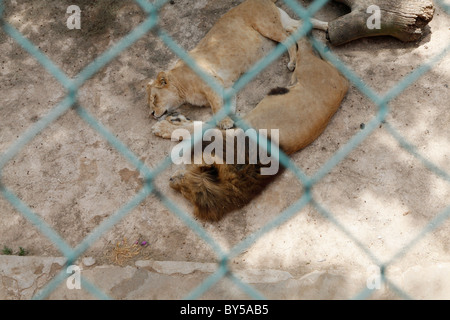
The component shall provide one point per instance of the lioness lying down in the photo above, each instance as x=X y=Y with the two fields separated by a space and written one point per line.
x=229 y=49
x=300 y=112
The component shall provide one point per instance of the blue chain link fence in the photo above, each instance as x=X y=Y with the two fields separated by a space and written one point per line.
x=151 y=24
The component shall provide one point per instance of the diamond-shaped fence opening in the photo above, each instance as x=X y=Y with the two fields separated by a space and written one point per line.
x=152 y=24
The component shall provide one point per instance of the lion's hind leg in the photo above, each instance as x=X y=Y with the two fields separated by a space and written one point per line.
x=291 y=25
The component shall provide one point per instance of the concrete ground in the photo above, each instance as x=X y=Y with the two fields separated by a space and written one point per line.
x=74 y=179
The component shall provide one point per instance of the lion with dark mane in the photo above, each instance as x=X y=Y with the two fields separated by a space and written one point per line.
x=300 y=112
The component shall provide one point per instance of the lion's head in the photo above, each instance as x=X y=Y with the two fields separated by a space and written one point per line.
x=163 y=96
x=211 y=189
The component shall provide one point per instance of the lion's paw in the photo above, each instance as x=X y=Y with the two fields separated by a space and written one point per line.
x=178 y=120
x=164 y=128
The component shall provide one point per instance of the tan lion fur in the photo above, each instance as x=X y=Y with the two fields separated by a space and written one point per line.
x=301 y=112
x=230 y=48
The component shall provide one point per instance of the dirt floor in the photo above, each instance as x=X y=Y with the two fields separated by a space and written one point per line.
x=74 y=179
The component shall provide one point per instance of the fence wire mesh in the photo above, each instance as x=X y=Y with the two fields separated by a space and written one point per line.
x=152 y=24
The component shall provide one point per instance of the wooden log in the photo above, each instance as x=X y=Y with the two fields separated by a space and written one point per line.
x=402 y=19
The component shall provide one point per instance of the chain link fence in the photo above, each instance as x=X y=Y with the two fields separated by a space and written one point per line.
x=151 y=24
